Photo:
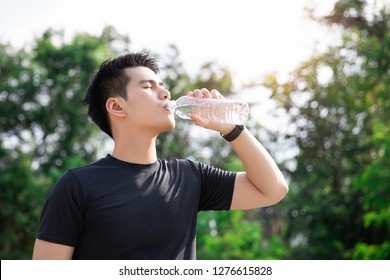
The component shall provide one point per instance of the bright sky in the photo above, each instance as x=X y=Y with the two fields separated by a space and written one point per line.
x=250 y=37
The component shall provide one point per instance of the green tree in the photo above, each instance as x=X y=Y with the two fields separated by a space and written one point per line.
x=338 y=105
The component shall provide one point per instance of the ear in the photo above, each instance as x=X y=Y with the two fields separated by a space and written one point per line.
x=114 y=107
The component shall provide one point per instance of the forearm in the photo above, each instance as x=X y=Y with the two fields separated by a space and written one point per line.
x=260 y=168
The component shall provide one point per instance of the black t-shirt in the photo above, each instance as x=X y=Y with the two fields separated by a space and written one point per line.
x=113 y=209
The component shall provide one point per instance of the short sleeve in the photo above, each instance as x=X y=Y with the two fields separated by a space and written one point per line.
x=217 y=188
x=62 y=216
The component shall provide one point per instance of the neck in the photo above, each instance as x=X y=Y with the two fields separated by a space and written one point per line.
x=140 y=150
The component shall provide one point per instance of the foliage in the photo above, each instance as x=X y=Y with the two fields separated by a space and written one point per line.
x=236 y=235
x=21 y=200
x=338 y=104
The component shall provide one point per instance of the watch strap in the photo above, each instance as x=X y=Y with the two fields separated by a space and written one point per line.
x=234 y=133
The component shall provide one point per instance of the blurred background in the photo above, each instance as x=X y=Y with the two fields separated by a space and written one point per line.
x=316 y=75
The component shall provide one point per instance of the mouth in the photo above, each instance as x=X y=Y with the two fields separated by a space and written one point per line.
x=166 y=107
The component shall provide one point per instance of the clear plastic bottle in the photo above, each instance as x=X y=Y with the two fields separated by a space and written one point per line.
x=220 y=110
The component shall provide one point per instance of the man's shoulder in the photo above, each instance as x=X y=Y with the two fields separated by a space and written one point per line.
x=181 y=163
x=99 y=166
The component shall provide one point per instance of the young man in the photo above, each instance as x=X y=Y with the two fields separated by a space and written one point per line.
x=133 y=205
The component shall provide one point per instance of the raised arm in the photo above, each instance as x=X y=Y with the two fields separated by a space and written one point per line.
x=262 y=183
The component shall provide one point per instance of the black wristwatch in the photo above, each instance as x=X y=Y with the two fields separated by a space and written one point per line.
x=234 y=133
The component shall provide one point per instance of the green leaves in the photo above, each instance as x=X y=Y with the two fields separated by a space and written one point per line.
x=341 y=181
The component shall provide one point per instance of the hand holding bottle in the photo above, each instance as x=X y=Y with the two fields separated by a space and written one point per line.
x=211 y=110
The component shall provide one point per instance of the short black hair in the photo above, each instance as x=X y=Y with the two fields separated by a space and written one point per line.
x=111 y=80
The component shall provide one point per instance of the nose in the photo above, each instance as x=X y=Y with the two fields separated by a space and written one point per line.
x=165 y=94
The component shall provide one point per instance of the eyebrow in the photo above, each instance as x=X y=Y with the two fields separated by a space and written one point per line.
x=155 y=82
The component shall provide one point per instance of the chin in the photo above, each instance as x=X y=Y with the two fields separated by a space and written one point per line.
x=172 y=122
x=169 y=126
x=172 y=126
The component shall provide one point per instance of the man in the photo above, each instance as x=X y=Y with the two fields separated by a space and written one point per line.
x=133 y=205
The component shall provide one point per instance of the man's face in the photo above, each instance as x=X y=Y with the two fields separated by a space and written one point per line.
x=147 y=103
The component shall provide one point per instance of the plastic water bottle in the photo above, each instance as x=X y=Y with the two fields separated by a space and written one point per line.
x=219 y=110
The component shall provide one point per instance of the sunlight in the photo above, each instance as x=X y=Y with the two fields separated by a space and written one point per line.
x=249 y=37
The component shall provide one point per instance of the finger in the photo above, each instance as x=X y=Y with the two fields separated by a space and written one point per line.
x=215 y=94
x=191 y=94
x=206 y=93
x=198 y=93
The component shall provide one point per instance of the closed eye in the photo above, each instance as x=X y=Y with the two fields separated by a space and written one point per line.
x=149 y=84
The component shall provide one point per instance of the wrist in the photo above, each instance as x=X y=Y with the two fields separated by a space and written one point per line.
x=225 y=129
x=233 y=134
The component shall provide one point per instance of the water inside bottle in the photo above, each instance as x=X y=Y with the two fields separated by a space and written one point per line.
x=224 y=111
